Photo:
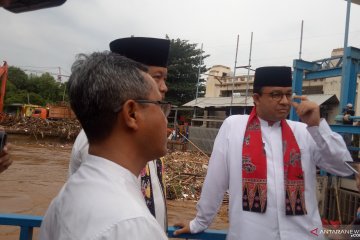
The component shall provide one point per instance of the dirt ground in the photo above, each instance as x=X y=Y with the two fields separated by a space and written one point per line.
x=39 y=171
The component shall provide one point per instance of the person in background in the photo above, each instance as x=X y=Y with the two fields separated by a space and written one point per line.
x=347 y=113
x=5 y=160
x=153 y=53
x=356 y=143
x=268 y=165
x=350 y=139
x=121 y=110
x=356 y=222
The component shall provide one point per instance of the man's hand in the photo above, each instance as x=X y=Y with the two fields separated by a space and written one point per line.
x=347 y=117
x=185 y=228
x=5 y=160
x=308 y=112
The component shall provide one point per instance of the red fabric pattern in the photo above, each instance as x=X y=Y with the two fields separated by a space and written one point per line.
x=254 y=170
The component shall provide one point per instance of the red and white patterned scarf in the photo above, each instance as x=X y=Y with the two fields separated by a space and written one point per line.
x=254 y=170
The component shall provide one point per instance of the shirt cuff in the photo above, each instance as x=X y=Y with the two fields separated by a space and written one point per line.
x=195 y=227
x=317 y=132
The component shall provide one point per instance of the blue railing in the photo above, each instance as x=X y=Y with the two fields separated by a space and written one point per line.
x=207 y=234
x=25 y=222
x=28 y=222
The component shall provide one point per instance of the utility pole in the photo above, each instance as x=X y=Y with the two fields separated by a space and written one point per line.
x=248 y=73
x=347 y=22
x=346 y=97
x=198 y=80
x=59 y=76
x=233 y=85
x=301 y=38
x=248 y=76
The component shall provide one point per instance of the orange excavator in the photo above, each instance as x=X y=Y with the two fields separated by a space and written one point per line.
x=3 y=78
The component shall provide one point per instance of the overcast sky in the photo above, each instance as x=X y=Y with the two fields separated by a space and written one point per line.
x=52 y=37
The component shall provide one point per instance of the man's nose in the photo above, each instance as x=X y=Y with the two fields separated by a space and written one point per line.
x=162 y=87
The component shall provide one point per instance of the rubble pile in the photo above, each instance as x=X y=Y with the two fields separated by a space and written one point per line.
x=40 y=128
x=185 y=173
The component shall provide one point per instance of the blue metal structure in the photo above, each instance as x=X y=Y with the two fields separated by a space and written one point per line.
x=25 y=222
x=206 y=235
x=347 y=66
x=28 y=222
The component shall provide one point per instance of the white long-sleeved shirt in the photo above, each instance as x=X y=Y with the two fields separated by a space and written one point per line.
x=319 y=146
x=79 y=154
x=102 y=200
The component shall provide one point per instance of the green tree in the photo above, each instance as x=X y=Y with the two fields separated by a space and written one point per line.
x=183 y=68
x=17 y=96
x=39 y=90
x=17 y=77
x=45 y=86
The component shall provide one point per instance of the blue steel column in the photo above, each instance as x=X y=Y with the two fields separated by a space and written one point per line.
x=26 y=233
x=349 y=75
x=296 y=86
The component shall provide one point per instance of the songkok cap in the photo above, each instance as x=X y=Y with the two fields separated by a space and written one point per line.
x=148 y=51
x=349 y=105
x=274 y=76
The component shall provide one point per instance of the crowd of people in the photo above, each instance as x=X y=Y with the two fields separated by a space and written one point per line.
x=115 y=188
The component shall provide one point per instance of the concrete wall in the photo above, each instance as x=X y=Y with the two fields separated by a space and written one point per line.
x=203 y=138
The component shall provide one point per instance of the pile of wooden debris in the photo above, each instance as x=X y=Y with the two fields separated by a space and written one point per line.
x=40 y=128
x=185 y=173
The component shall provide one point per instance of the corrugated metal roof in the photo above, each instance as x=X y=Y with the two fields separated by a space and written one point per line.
x=323 y=98
x=242 y=101
x=219 y=102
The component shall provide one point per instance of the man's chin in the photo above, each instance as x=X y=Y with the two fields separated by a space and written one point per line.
x=282 y=116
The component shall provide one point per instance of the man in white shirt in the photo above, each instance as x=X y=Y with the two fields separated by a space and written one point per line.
x=268 y=165
x=153 y=53
x=121 y=110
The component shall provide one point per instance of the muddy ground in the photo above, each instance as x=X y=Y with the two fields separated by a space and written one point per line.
x=39 y=171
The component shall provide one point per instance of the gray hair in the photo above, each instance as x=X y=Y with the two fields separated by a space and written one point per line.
x=98 y=86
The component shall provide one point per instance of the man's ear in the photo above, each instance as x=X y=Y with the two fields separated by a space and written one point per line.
x=129 y=114
x=256 y=97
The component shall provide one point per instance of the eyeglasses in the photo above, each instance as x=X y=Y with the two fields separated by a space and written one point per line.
x=277 y=96
x=165 y=106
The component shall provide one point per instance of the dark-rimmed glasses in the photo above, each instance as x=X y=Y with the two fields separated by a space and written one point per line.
x=165 y=106
x=277 y=96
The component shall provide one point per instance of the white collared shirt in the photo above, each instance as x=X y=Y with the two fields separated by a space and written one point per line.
x=318 y=145
x=102 y=200
x=79 y=154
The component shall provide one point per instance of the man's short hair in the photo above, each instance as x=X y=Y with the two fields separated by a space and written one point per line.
x=99 y=84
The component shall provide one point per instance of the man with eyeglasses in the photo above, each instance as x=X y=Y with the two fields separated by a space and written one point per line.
x=153 y=53
x=119 y=107
x=268 y=165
